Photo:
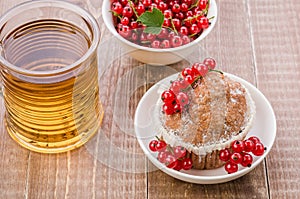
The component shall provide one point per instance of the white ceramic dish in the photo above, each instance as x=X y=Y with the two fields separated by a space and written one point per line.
x=158 y=56
x=264 y=127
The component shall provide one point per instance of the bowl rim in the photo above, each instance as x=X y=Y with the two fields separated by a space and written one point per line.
x=107 y=16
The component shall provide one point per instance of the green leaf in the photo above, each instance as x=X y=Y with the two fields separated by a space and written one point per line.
x=153 y=20
x=153 y=30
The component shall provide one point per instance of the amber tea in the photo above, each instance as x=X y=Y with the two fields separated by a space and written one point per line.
x=51 y=93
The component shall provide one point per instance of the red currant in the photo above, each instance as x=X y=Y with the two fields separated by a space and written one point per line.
x=171 y=35
x=134 y=25
x=201 y=68
x=202 y=4
x=143 y=37
x=210 y=62
x=187 y=164
x=162 y=6
x=176 y=8
x=167 y=22
x=168 y=96
x=203 y=22
x=161 y=146
x=155 y=44
x=125 y=21
x=175 y=87
x=237 y=146
x=176 y=41
x=195 y=72
x=124 y=31
x=168 y=109
x=258 y=149
x=184 y=7
x=127 y=12
x=147 y=2
x=171 y=161
x=140 y=8
x=189 y=21
x=152 y=145
x=183 y=30
x=188 y=2
x=162 y=156
x=189 y=14
x=190 y=79
x=187 y=71
x=151 y=37
x=171 y=3
x=179 y=16
x=153 y=5
x=168 y=14
x=176 y=22
x=117 y=8
x=231 y=167
x=183 y=84
x=249 y=145
x=124 y=2
x=165 y=44
x=247 y=160
x=163 y=34
x=224 y=155
x=254 y=139
x=182 y=98
x=177 y=108
x=198 y=14
x=134 y=36
x=178 y=167
x=179 y=152
x=196 y=9
x=185 y=39
x=194 y=29
x=236 y=158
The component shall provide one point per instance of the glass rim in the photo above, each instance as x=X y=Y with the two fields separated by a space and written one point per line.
x=88 y=18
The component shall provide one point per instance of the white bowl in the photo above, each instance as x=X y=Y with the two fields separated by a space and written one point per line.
x=157 y=56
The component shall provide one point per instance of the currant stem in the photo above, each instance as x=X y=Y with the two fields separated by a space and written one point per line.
x=194 y=5
x=133 y=8
x=157 y=138
x=167 y=27
x=211 y=18
x=214 y=70
x=192 y=35
x=169 y=148
x=174 y=29
x=115 y=14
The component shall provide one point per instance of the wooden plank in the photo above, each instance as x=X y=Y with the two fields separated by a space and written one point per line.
x=256 y=40
x=14 y=164
x=275 y=27
x=112 y=165
x=14 y=158
x=81 y=173
x=230 y=44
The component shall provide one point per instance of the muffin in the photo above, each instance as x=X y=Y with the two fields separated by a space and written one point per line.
x=219 y=110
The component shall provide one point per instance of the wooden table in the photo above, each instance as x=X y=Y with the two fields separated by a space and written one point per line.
x=258 y=40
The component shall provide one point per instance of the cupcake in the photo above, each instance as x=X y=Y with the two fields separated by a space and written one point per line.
x=204 y=111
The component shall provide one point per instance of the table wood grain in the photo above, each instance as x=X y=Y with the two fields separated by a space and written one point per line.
x=258 y=40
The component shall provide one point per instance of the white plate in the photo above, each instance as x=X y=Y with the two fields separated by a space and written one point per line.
x=264 y=127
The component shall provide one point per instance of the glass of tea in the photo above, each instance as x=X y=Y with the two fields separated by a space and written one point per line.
x=49 y=75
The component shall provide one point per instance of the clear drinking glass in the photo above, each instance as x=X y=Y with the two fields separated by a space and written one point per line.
x=49 y=75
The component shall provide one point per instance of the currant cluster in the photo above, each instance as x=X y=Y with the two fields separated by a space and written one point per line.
x=239 y=153
x=172 y=157
x=182 y=22
x=175 y=99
